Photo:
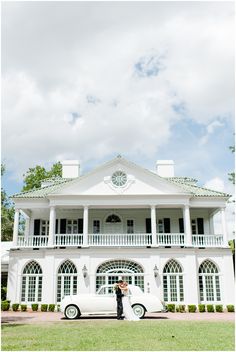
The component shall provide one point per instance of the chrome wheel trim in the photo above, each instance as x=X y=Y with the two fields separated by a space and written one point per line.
x=71 y=312
x=138 y=310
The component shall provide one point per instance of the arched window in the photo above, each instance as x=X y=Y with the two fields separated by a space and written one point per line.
x=31 y=288
x=66 y=280
x=209 y=283
x=173 y=288
x=110 y=272
x=113 y=218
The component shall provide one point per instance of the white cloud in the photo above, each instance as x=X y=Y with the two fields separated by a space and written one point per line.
x=67 y=52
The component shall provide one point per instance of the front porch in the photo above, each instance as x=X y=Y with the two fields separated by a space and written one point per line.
x=121 y=227
x=122 y=240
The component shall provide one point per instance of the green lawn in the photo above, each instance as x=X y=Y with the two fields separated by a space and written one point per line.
x=100 y=335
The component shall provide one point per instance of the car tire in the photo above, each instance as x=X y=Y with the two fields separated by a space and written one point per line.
x=139 y=310
x=72 y=312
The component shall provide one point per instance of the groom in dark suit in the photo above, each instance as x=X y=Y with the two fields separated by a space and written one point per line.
x=119 y=296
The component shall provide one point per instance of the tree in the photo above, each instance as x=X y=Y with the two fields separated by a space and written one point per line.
x=232 y=174
x=7 y=213
x=35 y=175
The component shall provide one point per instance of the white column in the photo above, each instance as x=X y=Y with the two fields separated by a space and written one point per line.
x=85 y=227
x=224 y=227
x=211 y=225
x=27 y=228
x=187 y=226
x=52 y=225
x=16 y=227
x=154 y=226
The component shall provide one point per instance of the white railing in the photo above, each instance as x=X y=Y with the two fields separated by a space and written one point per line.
x=132 y=239
x=207 y=240
x=68 y=240
x=170 y=239
x=33 y=241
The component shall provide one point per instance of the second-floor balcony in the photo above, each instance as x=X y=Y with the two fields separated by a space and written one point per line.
x=122 y=240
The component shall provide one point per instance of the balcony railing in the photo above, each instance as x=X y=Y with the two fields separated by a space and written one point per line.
x=68 y=240
x=33 y=241
x=171 y=239
x=207 y=240
x=125 y=240
x=122 y=240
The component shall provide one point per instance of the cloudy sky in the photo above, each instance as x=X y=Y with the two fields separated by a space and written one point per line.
x=90 y=80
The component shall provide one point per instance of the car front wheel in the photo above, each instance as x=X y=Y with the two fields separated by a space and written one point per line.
x=139 y=310
x=72 y=312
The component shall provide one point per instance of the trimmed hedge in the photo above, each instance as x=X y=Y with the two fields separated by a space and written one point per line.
x=23 y=307
x=15 y=307
x=44 y=307
x=34 y=307
x=192 y=308
x=5 y=305
x=210 y=308
x=58 y=308
x=51 y=307
x=219 y=308
x=180 y=308
x=201 y=308
x=230 y=308
x=170 y=307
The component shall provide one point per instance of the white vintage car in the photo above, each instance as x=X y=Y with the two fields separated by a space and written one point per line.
x=104 y=302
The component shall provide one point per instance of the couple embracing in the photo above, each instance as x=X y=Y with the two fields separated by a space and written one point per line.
x=123 y=303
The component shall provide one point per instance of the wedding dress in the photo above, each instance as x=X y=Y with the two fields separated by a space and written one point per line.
x=127 y=309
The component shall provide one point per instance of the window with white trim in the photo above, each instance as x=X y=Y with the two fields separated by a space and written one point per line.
x=130 y=226
x=96 y=226
x=111 y=271
x=72 y=226
x=209 y=282
x=66 y=280
x=31 y=287
x=173 y=288
x=44 y=227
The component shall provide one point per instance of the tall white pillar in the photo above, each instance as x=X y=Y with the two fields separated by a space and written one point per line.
x=187 y=226
x=52 y=225
x=224 y=227
x=27 y=228
x=154 y=226
x=211 y=225
x=16 y=227
x=85 y=227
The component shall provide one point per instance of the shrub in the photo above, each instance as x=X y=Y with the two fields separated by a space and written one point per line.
x=15 y=307
x=201 y=308
x=219 y=308
x=51 y=307
x=5 y=305
x=180 y=308
x=58 y=308
x=230 y=308
x=23 y=307
x=3 y=293
x=170 y=308
x=34 y=307
x=44 y=307
x=192 y=308
x=210 y=308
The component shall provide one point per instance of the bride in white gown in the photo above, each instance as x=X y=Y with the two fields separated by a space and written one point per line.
x=127 y=309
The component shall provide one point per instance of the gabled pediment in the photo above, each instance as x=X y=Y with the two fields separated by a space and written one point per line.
x=119 y=176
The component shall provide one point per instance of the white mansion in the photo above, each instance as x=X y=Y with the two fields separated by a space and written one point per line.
x=120 y=221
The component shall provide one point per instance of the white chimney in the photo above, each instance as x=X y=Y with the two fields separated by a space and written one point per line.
x=70 y=168
x=165 y=168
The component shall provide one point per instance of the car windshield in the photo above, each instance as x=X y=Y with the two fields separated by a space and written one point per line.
x=105 y=290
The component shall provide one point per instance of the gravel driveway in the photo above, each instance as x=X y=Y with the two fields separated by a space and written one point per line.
x=41 y=317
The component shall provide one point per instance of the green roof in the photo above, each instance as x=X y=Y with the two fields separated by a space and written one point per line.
x=186 y=183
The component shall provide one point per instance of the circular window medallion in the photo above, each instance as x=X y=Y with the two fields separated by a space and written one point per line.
x=119 y=178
